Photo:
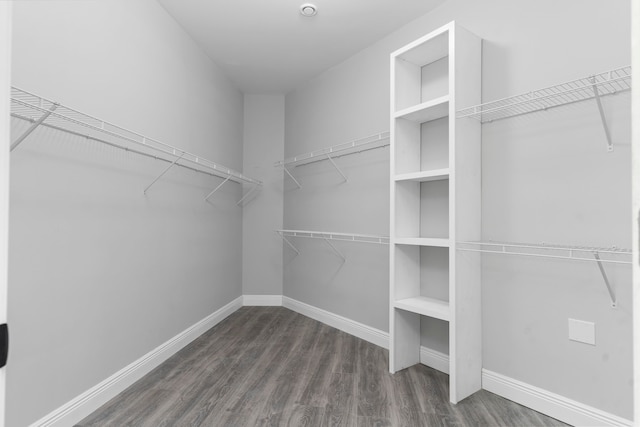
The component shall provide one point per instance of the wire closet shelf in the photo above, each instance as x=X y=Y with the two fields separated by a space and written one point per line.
x=47 y=113
x=329 y=153
x=356 y=146
x=612 y=255
x=600 y=256
x=328 y=236
x=607 y=83
x=345 y=237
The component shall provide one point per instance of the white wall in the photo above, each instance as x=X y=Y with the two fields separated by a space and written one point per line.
x=546 y=178
x=263 y=146
x=5 y=80
x=100 y=274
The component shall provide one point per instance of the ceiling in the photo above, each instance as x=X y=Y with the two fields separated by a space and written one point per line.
x=267 y=46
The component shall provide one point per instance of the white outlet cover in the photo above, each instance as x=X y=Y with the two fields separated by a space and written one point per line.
x=582 y=331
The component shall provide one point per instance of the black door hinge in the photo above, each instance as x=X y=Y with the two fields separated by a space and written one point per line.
x=4 y=344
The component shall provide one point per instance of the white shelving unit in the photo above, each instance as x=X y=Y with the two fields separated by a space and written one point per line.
x=329 y=153
x=44 y=112
x=435 y=201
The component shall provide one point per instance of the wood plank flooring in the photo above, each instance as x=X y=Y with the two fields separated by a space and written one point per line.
x=269 y=366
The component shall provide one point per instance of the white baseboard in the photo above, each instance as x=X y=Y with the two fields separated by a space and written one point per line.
x=434 y=359
x=551 y=404
x=367 y=333
x=262 y=300
x=92 y=399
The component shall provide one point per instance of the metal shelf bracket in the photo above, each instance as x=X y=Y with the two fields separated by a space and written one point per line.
x=288 y=242
x=255 y=187
x=612 y=293
x=335 y=250
x=596 y=95
x=217 y=188
x=163 y=172
x=337 y=168
x=291 y=176
x=33 y=127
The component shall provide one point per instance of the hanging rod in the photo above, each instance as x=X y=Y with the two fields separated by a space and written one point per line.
x=44 y=112
x=577 y=253
x=328 y=236
x=591 y=87
x=371 y=142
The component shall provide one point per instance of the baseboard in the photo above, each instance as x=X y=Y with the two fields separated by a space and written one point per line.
x=262 y=300
x=83 y=405
x=551 y=404
x=367 y=333
x=434 y=359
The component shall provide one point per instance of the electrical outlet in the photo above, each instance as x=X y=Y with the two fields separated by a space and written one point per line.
x=582 y=331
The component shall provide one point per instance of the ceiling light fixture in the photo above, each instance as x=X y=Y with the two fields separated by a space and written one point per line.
x=308 y=10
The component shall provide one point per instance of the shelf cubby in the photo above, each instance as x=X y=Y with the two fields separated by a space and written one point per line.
x=421 y=147
x=422 y=73
x=422 y=209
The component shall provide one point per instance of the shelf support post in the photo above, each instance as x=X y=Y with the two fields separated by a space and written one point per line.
x=33 y=127
x=163 y=172
x=217 y=188
x=255 y=187
x=337 y=168
x=612 y=294
x=596 y=94
x=291 y=176
x=335 y=250
x=288 y=242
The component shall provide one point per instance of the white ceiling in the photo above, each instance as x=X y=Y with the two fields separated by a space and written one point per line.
x=267 y=46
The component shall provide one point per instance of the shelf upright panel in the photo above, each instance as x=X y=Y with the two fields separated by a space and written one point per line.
x=435 y=199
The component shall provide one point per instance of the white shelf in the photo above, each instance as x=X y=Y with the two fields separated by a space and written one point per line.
x=327 y=235
x=599 y=255
x=423 y=241
x=45 y=112
x=425 y=306
x=590 y=87
x=359 y=145
x=427 y=111
x=611 y=255
x=424 y=176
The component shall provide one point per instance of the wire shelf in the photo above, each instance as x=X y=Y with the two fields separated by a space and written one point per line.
x=345 y=237
x=45 y=112
x=607 y=83
x=363 y=144
x=612 y=254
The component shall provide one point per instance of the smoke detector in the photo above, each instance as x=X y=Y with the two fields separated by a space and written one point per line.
x=308 y=10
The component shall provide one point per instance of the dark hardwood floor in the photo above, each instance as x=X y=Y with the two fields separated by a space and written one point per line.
x=269 y=366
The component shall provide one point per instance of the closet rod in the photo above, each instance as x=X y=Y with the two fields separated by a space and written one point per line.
x=24 y=104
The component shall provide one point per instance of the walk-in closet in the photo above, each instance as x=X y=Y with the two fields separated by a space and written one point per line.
x=345 y=213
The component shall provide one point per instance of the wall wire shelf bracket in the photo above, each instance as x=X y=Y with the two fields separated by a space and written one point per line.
x=330 y=153
x=577 y=253
x=592 y=87
x=33 y=126
x=163 y=172
x=43 y=112
x=328 y=236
